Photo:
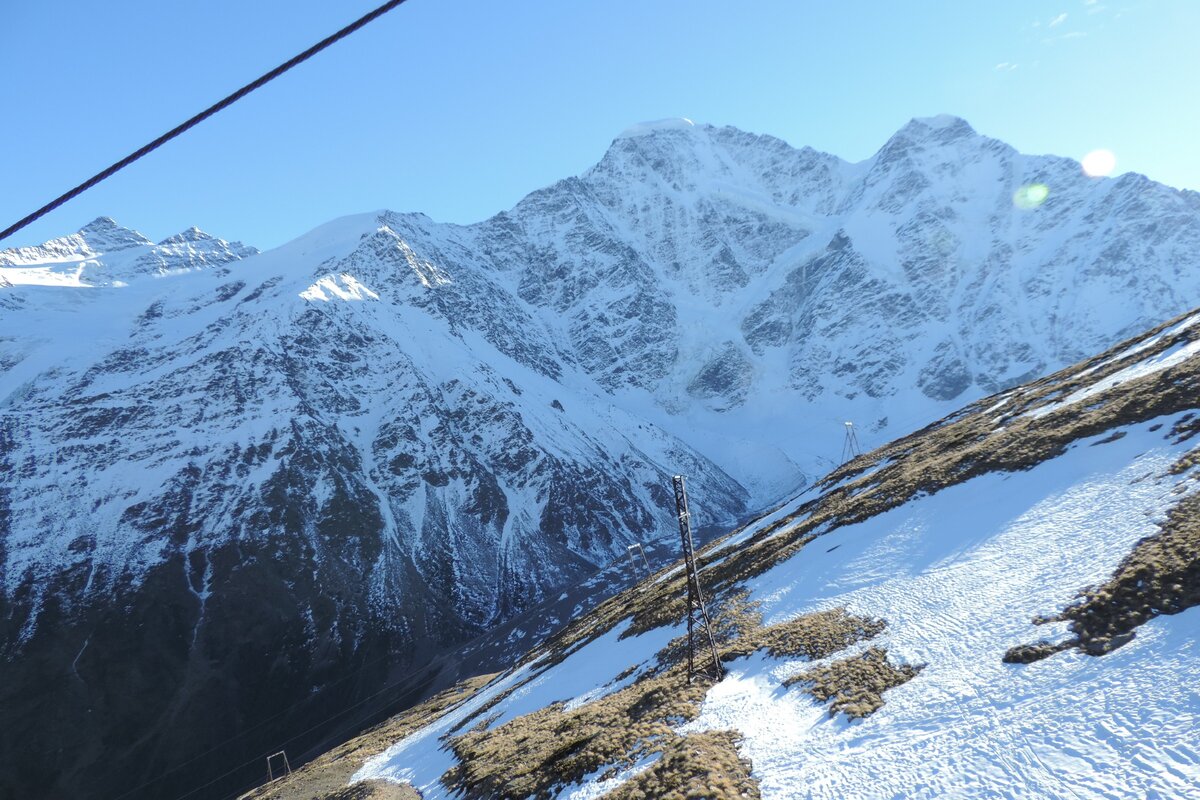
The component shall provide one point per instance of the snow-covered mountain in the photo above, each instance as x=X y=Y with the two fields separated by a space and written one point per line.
x=102 y=253
x=262 y=472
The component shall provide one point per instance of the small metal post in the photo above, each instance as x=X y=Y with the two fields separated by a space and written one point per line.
x=850 y=447
x=287 y=768
x=633 y=559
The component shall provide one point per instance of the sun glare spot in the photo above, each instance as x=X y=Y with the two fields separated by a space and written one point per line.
x=1099 y=163
x=1030 y=196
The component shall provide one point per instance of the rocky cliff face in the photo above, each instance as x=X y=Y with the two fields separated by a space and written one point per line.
x=766 y=280
x=231 y=480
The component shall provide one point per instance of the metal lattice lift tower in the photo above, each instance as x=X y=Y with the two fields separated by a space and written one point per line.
x=698 y=624
x=850 y=447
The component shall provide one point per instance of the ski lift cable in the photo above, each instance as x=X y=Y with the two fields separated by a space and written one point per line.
x=203 y=115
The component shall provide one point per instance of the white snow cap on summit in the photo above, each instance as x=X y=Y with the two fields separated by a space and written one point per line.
x=943 y=127
x=192 y=234
x=941 y=121
x=669 y=124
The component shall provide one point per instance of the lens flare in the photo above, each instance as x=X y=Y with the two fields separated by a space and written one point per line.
x=1099 y=163
x=1030 y=196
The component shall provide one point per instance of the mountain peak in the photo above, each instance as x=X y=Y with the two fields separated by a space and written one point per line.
x=941 y=122
x=655 y=126
x=924 y=133
x=192 y=234
x=942 y=129
x=103 y=234
x=100 y=225
x=103 y=253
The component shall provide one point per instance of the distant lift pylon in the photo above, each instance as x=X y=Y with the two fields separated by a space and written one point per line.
x=850 y=446
x=699 y=626
x=634 y=550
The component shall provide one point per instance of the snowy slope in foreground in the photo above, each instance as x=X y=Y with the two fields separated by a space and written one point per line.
x=958 y=576
x=959 y=571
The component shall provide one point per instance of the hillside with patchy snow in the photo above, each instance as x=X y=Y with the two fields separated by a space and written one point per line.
x=231 y=479
x=1001 y=605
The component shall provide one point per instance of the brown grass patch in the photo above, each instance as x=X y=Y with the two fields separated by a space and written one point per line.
x=374 y=790
x=813 y=636
x=1028 y=653
x=531 y=755
x=1160 y=576
x=700 y=765
x=856 y=684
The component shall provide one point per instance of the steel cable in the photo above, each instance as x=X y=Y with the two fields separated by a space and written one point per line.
x=203 y=115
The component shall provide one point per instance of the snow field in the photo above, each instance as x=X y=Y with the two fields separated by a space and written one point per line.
x=958 y=576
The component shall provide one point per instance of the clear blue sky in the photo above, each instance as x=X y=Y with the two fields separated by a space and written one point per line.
x=460 y=107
